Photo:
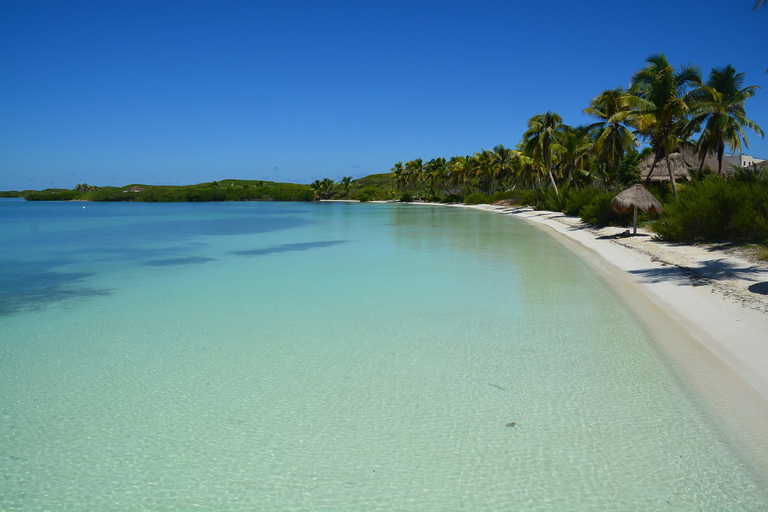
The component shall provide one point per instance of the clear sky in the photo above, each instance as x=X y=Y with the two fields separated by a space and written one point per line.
x=115 y=92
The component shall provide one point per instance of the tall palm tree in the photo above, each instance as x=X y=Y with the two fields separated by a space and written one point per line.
x=658 y=103
x=615 y=138
x=542 y=140
x=346 y=181
x=577 y=145
x=719 y=106
x=503 y=157
x=461 y=172
x=415 y=173
x=435 y=171
x=398 y=172
x=485 y=170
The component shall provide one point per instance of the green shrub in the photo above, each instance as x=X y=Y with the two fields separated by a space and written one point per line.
x=371 y=193
x=526 y=197
x=406 y=198
x=578 y=199
x=477 y=198
x=599 y=212
x=717 y=209
x=553 y=202
x=452 y=198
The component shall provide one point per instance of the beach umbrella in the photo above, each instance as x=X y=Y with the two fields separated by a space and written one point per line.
x=636 y=196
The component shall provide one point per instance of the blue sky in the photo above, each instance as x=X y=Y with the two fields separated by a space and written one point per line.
x=114 y=92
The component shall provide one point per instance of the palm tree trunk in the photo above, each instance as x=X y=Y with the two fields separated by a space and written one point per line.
x=552 y=179
x=671 y=174
x=720 y=151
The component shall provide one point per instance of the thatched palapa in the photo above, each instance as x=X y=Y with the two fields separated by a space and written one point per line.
x=636 y=196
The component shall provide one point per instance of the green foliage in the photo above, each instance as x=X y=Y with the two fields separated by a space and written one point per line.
x=526 y=196
x=53 y=195
x=370 y=193
x=406 y=198
x=599 y=212
x=552 y=201
x=717 y=209
x=477 y=198
x=578 y=199
x=451 y=198
x=11 y=193
x=226 y=190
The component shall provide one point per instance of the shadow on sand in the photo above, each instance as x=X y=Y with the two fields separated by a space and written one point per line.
x=712 y=270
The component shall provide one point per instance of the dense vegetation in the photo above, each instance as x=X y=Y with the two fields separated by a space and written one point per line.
x=579 y=169
x=225 y=190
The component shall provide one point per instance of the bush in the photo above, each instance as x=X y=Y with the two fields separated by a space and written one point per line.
x=527 y=197
x=477 y=198
x=368 y=194
x=599 y=212
x=452 y=198
x=717 y=209
x=553 y=202
x=578 y=199
x=406 y=198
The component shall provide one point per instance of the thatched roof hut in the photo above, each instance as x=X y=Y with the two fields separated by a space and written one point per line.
x=636 y=196
x=683 y=161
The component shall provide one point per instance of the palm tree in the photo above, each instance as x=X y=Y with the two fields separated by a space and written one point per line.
x=415 y=173
x=461 y=172
x=719 y=106
x=503 y=157
x=577 y=145
x=346 y=181
x=542 y=140
x=760 y=3
x=485 y=170
x=614 y=138
x=399 y=175
x=326 y=187
x=658 y=100
x=435 y=170
x=317 y=187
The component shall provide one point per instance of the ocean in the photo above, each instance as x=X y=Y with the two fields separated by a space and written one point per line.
x=334 y=356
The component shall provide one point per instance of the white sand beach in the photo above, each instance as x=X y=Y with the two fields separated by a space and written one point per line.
x=707 y=308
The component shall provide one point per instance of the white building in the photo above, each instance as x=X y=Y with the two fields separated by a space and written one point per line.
x=741 y=160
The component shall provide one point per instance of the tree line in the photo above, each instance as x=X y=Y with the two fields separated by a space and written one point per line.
x=664 y=106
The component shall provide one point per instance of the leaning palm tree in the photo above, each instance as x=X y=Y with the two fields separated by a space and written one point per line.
x=542 y=141
x=719 y=106
x=614 y=138
x=658 y=103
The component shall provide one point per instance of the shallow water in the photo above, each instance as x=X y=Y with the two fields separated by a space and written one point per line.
x=276 y=356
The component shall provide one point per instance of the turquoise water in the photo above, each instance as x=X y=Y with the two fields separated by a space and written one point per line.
x=273 y=356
